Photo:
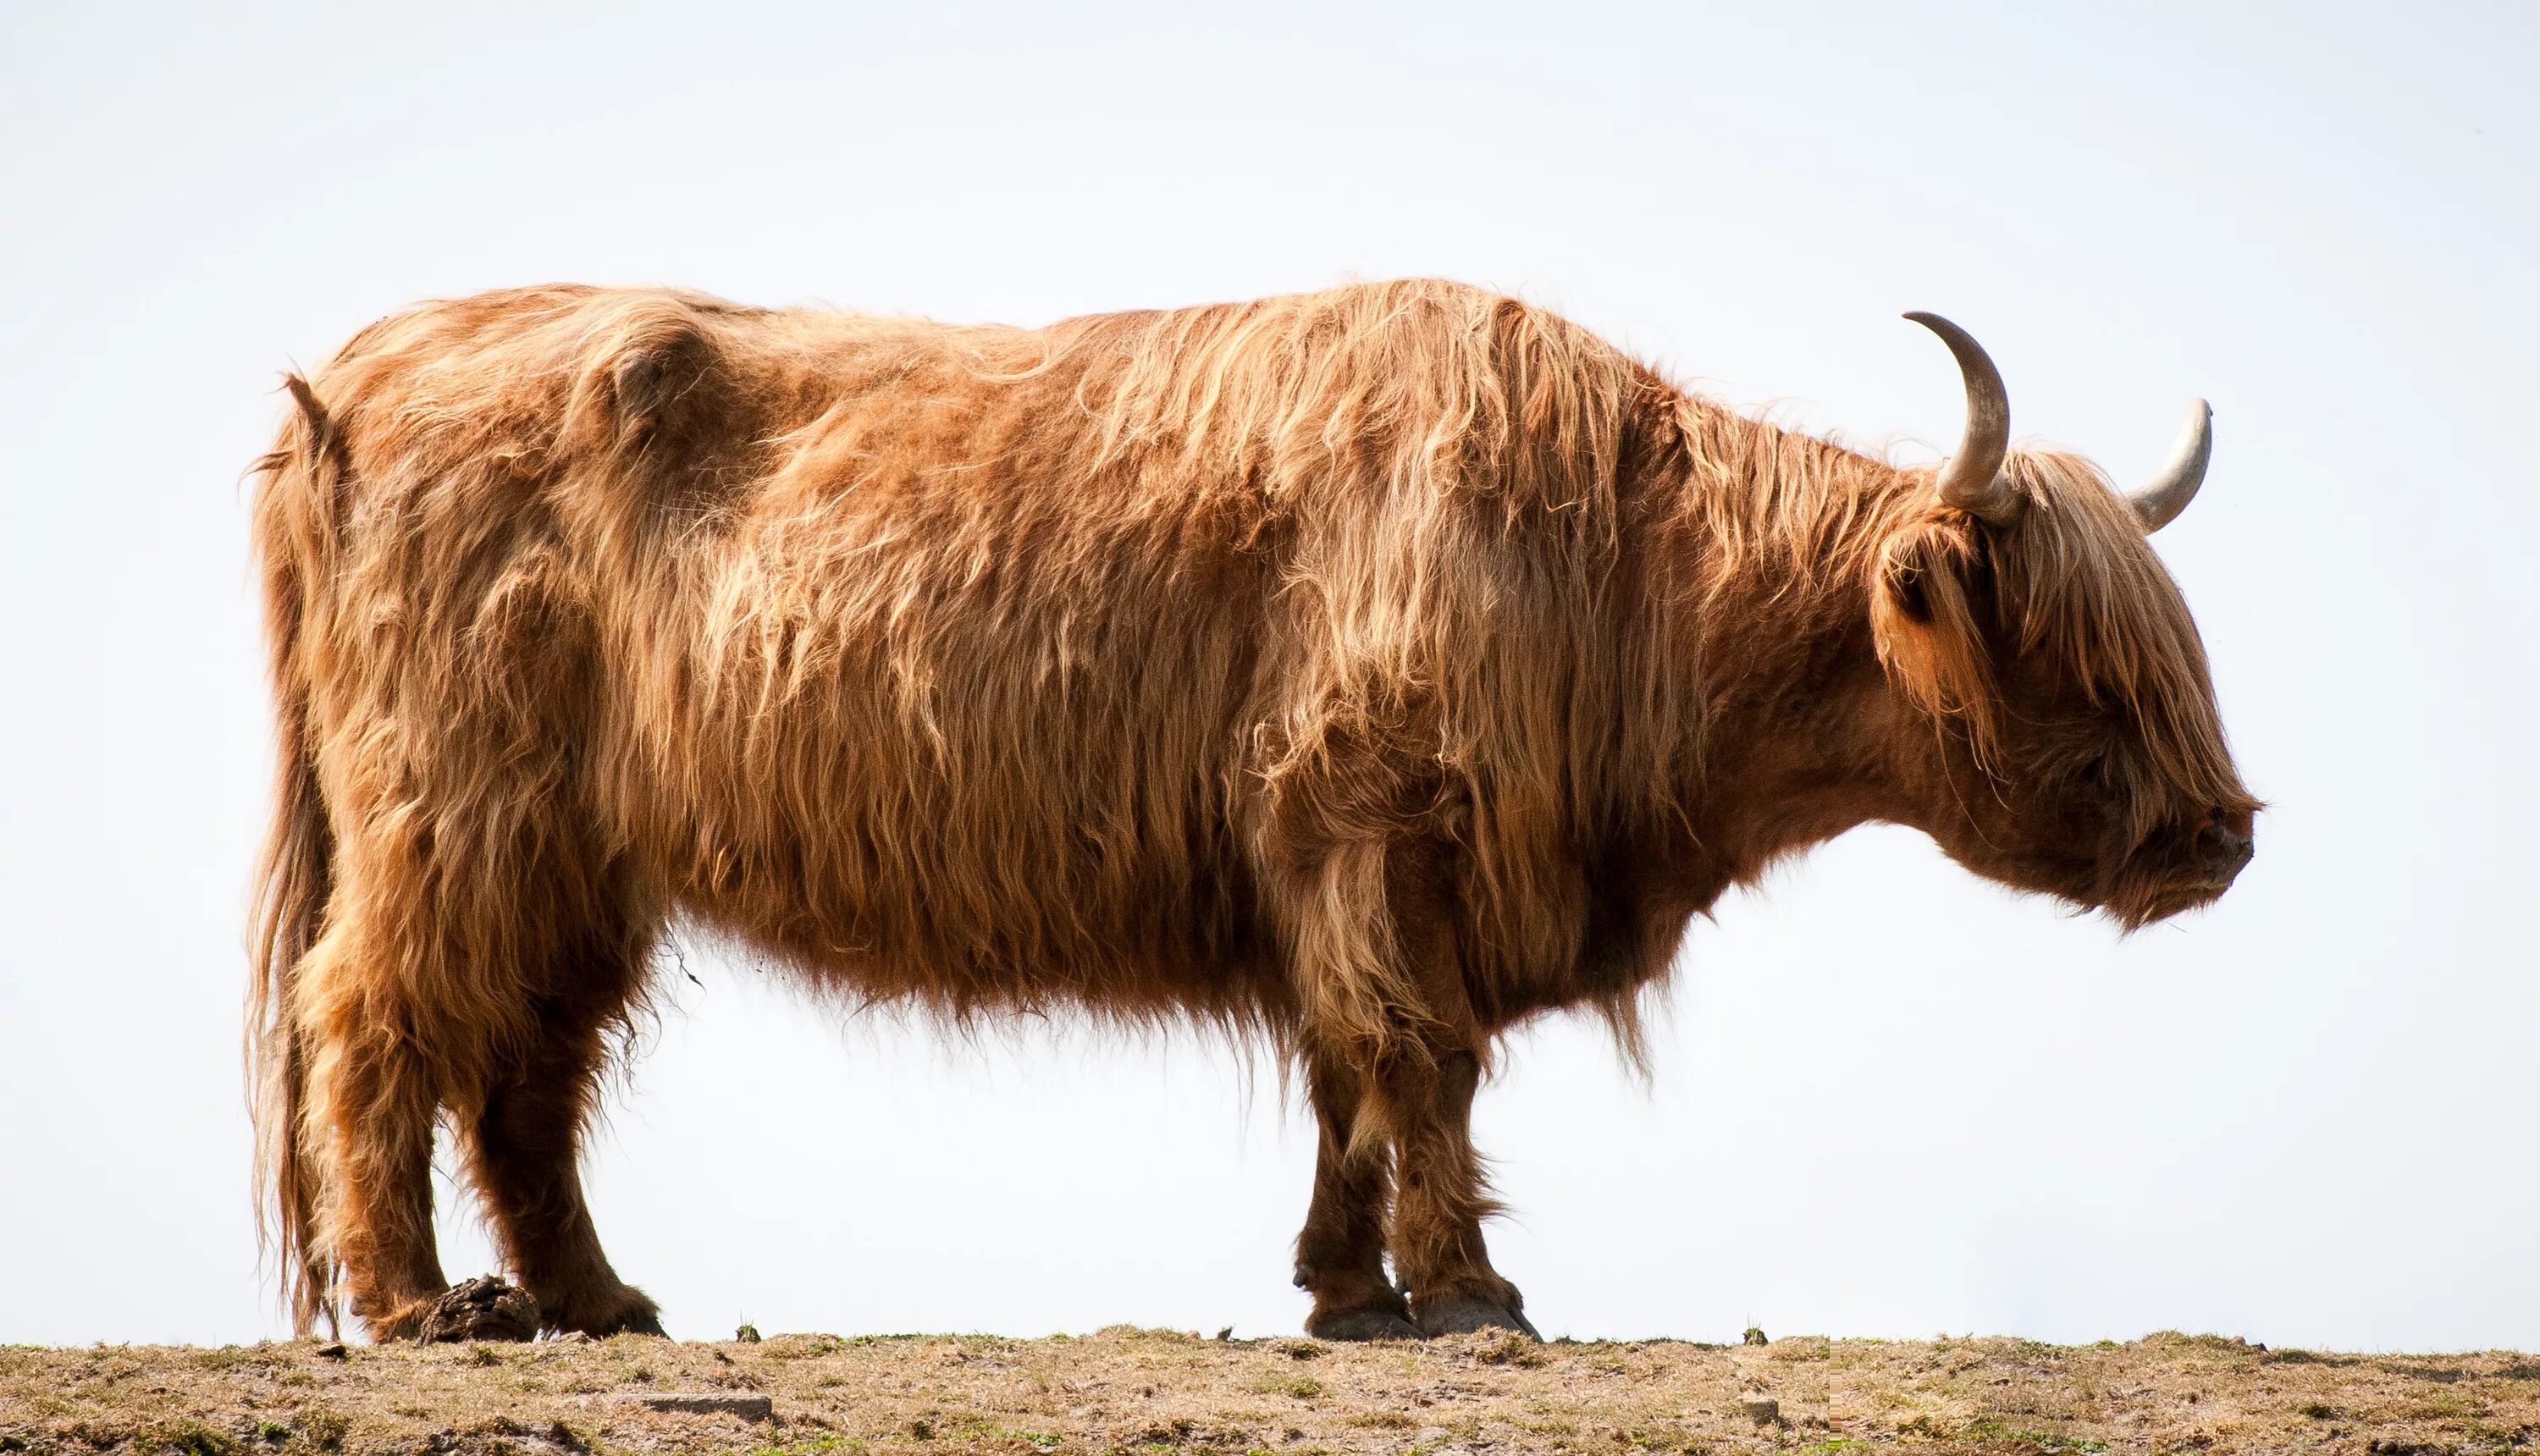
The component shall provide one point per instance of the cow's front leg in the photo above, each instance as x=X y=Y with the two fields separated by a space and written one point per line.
x=1378 y=939
x=1440 y=1196
x=1340 y=1255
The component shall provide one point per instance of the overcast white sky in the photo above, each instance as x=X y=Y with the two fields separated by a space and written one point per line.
x=1889 y=1099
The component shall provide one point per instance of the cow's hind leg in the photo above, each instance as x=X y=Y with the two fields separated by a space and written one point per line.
x=1340 y=1255
x=373 y=1102
x=461 y=975
x=524 y=1147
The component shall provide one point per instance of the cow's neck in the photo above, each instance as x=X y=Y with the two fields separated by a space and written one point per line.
x=1798 y=725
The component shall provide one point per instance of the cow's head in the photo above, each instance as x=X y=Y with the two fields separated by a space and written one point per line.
x=2074 y=745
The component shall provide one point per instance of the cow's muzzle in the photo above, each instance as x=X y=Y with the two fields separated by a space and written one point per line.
x=2224 y=849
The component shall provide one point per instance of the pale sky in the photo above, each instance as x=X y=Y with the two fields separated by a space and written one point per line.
x=1888 y=1099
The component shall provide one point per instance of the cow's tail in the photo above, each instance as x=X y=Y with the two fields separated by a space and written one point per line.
x=294 y=536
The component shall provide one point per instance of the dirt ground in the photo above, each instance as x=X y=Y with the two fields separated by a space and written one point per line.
x=1160 y=1393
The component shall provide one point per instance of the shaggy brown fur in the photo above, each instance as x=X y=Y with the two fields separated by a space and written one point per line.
x=1368 y=671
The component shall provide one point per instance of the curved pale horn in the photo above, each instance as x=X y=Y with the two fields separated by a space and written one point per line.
x=1972 y=480
x=2157 y=504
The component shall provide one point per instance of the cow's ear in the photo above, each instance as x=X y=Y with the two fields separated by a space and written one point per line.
x=1904 y=581
x=1922 y=617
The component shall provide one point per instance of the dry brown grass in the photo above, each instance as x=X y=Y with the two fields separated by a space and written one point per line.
x=1150 y=1393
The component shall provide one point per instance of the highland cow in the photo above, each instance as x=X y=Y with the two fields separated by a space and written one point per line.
x=1366 y=671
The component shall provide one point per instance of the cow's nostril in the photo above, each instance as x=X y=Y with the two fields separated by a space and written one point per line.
x=2224 y=850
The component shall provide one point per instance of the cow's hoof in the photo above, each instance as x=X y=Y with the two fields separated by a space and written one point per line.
x=643 y=1320
x=482 y=1308
x=1465 y=1315
x=1362 y=1324
x=620 y=1310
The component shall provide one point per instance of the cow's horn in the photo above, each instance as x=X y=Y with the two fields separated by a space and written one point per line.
x=1972 y=481
x=2158 y=505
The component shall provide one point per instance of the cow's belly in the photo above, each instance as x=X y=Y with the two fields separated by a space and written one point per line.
x=987 y=808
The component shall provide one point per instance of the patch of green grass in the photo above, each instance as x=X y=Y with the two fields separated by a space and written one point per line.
x=322 y=1427
x=189 y=1439
x=981 y=1430
x=1997 y=1433
x=826 y=1442
x=2444 y=1404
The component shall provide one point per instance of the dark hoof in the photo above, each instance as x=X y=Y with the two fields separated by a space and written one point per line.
x=1463 y=1315
x=482 y=1308
x=1362 y=1324
x=623 y=1311
x=643 y=1321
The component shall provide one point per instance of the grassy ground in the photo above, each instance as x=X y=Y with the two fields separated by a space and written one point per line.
x=1149 y=1393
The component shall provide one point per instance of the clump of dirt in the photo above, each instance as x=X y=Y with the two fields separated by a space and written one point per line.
x=1125 y=1392
x=482 y=1308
